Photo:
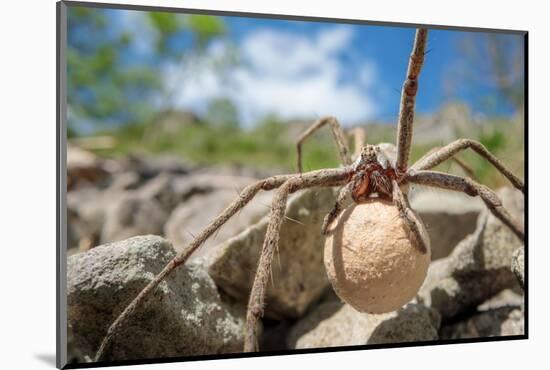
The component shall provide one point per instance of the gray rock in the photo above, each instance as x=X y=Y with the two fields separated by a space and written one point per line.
x=161 y=189
x=84 y=167
x=495 y=322
x=184 y=316
x=448 y=216
x=86 y=213
x=147 y=166
x=335 y=324
x=202 y=183
x=518 y=264
x=131 y=215
x=479 y=266
x=299 y=276
x=140 y=211
x=126 y=180
x=192 y=216
x=506 y=298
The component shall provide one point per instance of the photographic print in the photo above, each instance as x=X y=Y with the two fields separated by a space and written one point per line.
x=246 y=184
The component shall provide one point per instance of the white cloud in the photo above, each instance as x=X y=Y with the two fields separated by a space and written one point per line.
x=291 y=75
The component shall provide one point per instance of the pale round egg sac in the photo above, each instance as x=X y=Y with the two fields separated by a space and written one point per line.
x=371 y=260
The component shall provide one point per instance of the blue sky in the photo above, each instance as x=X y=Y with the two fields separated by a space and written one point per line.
x=299 y=69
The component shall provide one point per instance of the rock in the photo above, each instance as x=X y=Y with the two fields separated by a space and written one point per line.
x=491 y=323
x=201 y=183
x=74 y=355
x=273 y=337
x=83 y=167
x=299 y=277
x=448 y=216
x=86 y=210
x=190 y=217
x=332 y=324
x=161 y=189
x=126 y=180
x=479 y=266
x=140 y=211
x=184 y=316
x=132 y=215
x=506 y=298
x=518 y=264
x=148 y=167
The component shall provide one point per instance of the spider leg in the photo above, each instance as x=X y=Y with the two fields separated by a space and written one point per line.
x=359 y=140
x=472 y=188
x=408 y=97
x=410 y=218
x=343 y=196
x=463 y=165
x=446 y=152
x=337 y=133
x=245 y=196
x=256 y=301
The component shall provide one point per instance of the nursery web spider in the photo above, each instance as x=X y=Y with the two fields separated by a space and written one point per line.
x=373 y=172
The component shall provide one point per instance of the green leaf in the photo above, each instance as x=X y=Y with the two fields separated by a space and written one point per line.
x=165 y=23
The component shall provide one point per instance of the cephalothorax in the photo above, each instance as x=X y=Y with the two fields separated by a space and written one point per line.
x=381 y=171
x=374 y=173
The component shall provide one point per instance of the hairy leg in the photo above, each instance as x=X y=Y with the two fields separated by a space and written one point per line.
x=244 y=197
x=343 y=195
x=337 y=133
x=408 y=97
x=256 y=301
x=359 y=140
x=472 y=188
x=465 y=167
x=448 y=151
x=409 y=217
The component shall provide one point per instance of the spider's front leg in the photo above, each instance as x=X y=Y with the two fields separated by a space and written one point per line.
x=421 y=240
x=244 y=197
x=256 y=301
x=408 y=98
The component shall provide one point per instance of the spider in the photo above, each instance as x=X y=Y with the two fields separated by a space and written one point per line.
x=375 y=172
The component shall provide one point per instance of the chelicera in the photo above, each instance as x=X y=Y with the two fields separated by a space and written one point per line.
x=381 y=171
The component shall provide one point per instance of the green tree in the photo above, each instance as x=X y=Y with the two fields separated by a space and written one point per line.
x=109 y=82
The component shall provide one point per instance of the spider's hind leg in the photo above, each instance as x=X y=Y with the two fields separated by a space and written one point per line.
x=337 y=133
x=440 y=155
x=471 y=188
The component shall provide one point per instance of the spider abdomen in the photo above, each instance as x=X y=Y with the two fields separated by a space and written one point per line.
x=370 y=259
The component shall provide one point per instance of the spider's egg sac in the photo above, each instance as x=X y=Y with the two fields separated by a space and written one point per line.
x=370 y=259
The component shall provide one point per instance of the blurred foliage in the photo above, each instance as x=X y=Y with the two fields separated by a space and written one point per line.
x=109 y=83
x=271 y=145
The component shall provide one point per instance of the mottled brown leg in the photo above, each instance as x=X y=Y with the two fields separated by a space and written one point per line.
x=244 y=197
x=448 y=151
x=470 y=187
x=410 y=218
x=408 y=97
x=359 y=140
x=463 y=165
x=337 y=133
x=256 y=302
